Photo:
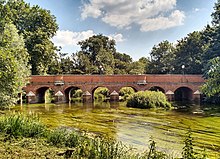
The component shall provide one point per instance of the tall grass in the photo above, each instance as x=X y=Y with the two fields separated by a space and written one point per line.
x=16 y=125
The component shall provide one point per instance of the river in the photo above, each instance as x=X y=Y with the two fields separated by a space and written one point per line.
x=136 y=127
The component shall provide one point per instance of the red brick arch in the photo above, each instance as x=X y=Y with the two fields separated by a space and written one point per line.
x=114 y=82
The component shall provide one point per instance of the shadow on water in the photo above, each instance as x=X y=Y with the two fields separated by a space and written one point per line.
x=136 y=126
x=202 y=109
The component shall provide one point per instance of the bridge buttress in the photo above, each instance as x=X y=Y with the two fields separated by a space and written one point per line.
x=87 y=97
x=31 y=97
x=114 y=96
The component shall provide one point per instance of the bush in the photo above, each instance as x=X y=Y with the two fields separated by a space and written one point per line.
x=125 y=92
x=188 y=151
x=78 y=93
x=148 y=99
x=101 y=93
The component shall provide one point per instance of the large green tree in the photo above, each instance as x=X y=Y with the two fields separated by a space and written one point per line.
x=189 y=53
x=14 y=68
x=211 y=88
x=211 y=58
x=122 y=63
x=162 y=56
x=96 y=55
x=37 y=26
x=212 y=34
x=139 y=67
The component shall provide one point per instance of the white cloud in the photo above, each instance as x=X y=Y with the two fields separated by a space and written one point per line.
x=65 y=38
x=69 y=38
x=124 y=13
x=90 y=11
x=196 y=9
x=117 y=37
x=175 y=19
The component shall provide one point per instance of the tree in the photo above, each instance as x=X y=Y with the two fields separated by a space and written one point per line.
x=189 y=52
x=83 y=64
x=162 y=56
x=96 y=55
x=138 y=67
x=37 y=26
x=14 y=69
x=122 y=63
x=211 y=60
x=212 y=35
x=212 y=75
x=106 y=61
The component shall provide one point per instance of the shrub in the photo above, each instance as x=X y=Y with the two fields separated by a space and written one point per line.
x=148 y=99
x=101 y=93
x=78 y=93
x=125 y=92
x=49 y=96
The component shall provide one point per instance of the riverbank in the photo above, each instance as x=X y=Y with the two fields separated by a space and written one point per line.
x=133 y=127
x=24 y=136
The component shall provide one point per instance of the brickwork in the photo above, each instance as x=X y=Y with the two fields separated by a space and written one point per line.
x=88 y=83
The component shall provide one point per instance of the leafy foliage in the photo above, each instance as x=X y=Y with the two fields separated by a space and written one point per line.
x=14 y=68
x=37 y=26
x=101 y=93
x=97 y=52
x=188 y=151
x=125 y=92
x=148 y=99
x=212 y=85
x=211 y=58
x=189 y=52
x=162 y=56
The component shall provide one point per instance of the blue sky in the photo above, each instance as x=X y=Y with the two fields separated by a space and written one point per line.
x=136 y=25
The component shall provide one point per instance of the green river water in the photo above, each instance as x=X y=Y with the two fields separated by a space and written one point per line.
x=135 y=127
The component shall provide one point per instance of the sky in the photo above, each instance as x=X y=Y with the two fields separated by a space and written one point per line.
x=135 y=25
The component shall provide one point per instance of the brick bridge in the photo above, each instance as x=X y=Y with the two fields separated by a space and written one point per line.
x=176 y=87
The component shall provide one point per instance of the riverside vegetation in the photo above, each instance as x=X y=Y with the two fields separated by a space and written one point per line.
x=24 y=136
x=148 y=99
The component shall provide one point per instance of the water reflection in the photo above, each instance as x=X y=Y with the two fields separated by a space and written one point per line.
x=136 y=126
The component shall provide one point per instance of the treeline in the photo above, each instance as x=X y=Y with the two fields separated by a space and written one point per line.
x=98 y=55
